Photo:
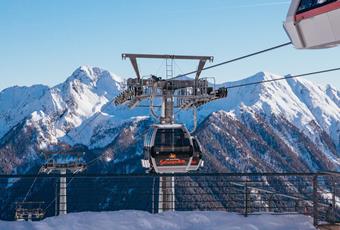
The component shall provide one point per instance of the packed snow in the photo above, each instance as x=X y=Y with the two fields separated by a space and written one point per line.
x=138 y=220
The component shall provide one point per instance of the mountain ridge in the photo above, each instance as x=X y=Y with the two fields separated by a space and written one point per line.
x=72 y=111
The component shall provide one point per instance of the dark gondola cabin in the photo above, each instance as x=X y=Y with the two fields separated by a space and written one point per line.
x=169 y=148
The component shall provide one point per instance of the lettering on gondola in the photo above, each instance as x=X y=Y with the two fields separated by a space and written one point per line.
x=172 y=162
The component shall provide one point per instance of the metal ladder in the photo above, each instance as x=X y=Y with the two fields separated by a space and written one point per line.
x=169 y=68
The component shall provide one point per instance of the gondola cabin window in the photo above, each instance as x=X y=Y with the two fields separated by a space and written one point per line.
x=306 y=5
x=171 y=138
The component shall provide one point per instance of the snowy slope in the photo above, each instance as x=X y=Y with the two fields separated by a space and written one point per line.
x=136 y=220
x=334 y=94
x=55 y=111
x=16 y=103
x=298 y=100
x=309 y=107
x=323 y=109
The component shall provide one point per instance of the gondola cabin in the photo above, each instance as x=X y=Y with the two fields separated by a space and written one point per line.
x=169 y=148
x=313 y=24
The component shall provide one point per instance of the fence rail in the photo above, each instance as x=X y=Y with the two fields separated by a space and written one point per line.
x=314 y=194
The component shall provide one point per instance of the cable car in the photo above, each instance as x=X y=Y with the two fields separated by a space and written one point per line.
x=313 y=24
x=169 y=148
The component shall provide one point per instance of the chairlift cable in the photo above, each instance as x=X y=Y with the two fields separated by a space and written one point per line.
x=236 y=59
x=285 y=78
x=30 y=188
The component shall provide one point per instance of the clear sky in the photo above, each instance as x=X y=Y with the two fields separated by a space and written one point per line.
x=44 y=41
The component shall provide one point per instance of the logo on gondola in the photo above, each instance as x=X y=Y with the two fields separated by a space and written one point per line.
x=172 y=156
x=172 y=162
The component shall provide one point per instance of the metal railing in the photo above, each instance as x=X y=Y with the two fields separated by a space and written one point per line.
x=313 y=194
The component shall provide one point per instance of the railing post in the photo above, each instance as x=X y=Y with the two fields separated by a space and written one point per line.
x=333 y=201
x=315 y=200
x=297 y=204
x=270 y=209
x=56 y=198
x=246 y=199
x=153 y=196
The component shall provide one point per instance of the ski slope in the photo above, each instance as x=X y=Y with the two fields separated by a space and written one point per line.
x=138 y=220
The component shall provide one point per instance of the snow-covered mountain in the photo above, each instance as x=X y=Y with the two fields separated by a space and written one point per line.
x=80 y=111
x=63 y=107
x=54 y=112
x=282 y=126
x=309 y=109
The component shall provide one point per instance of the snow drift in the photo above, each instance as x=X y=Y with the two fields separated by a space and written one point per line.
x=137 y=220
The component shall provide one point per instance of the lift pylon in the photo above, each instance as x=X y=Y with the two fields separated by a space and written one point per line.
x=55 y=163
x=169 y=147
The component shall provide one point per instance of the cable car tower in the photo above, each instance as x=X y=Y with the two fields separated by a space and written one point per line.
x=61 y=160
x=169 y=147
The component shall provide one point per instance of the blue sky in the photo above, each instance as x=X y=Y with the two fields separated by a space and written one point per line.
x=44 y=41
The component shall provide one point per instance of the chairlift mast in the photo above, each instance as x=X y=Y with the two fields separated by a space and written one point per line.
x=169 y=147
x=140 y=88
x=74 y=166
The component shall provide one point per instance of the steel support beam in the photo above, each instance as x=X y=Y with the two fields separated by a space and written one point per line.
x=167 y=56
x=133 y=59
x=135 y=67
x=166 y=197
x=62 y=193
x=200 y=68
